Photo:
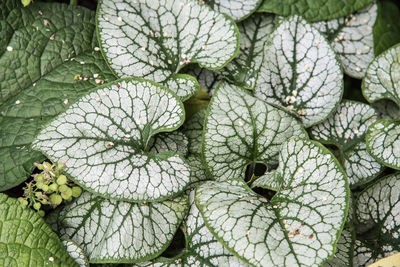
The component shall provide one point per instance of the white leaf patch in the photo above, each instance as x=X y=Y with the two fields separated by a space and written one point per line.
x=352 y=39
x=382 y=80
x=155 y=39
x=379 y=205
x=299 y=226
x=117 y=231
x=236 y=9
x=104 y=141
x=300 y=72
x=383 y=142
x=76 y=253
x=346 y=129
x=241 y=129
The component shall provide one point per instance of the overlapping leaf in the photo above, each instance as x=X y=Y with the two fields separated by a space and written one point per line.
x=76 y=253
x=241 y=129
x=314 y=10
x=352 y=39
x=117 y=231
x=104 y=140
x=26 y=240
x=378 y=205
x=300 y=72
x=346 y=129
x=299 y=226
x=236 y=9
x=386 y=109
x=43 y=48
x=206 y=78
x=244 y=69
x=155 y=39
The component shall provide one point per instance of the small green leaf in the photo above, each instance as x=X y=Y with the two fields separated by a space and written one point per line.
x=382 y=80
x=378 y=206
x=383 y=142
x=387 y=26
x=241 y=129
x=300 y=72
x=352 y=39
x=346 y=129
x=26 y=240
x=236 y=9
x=76 y=253
x=121 y=232
x=313 y=10
x=154 y=40
x=299 y=226
x=254 y=31
x=104 y=138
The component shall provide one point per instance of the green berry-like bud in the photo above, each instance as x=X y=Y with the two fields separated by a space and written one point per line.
x=44 y=201
x=62 y=179
x=23 y=201
x=67 y=193
x=39 y=185
x=37 y=206
x=76 y=191
x=45 y=188
x=55 y=199
x=39 y=178
x=41 y=213
x=53 y=187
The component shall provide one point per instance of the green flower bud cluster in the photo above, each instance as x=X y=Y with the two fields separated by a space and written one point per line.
x=50 y=187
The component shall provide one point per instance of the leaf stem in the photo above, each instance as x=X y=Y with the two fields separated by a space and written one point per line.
x=73 y=2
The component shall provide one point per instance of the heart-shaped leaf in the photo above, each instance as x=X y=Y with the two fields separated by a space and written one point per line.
x=76 y=253
x=154 y=40
x=26 y=240
x=202 y=247
x=346 y=130
x=241 y=129
x=382 y=80
x=352 y=39
x=254 y=31
x=299 y=226
x=48 y=59
x=313 y=10
x=383 y=142
x=378 y=205
x=104 y=140
x=174 y=141
x=236 y=9
x=117 y=231
x=300 y=72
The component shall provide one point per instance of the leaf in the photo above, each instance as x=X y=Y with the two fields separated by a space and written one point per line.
x=344 y=251
x=270 y=180
x=37 y=76
x=241 y=129
x=346 y=129
x=387 y=26
x=299 y=226
x=206 y=78
x=202 y=247
x=121 y=232
x=300 y=72
x=386 y=109
x=352 y=39
x=378 y=205
x=193 y=129
x=382 y=80
x=26 y=240
x=313 y=10
x=104 y=140
x=236 y=9
x=76 y=253
x=198 y=172
x=383 y=142
x=254 y=31
x=155 y=40
x=174 y=141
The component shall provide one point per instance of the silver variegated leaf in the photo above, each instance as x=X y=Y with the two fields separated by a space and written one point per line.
x=174 y=141
x=76 y=253
x=346 y=129
x=382 y=80
x=300 y=72
x=117 y=231
x=383 y=142
x=241 y=129
x=236 y=9
x=379 y=204
x=352 y=39
x=193 y=129
x=270 y=180
x=155 y=39
x=299 y=226
x=254 y=31
x=206 y=78
x=386 y=109
x=198 y=172
x=344 y=251
x=104 y=141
